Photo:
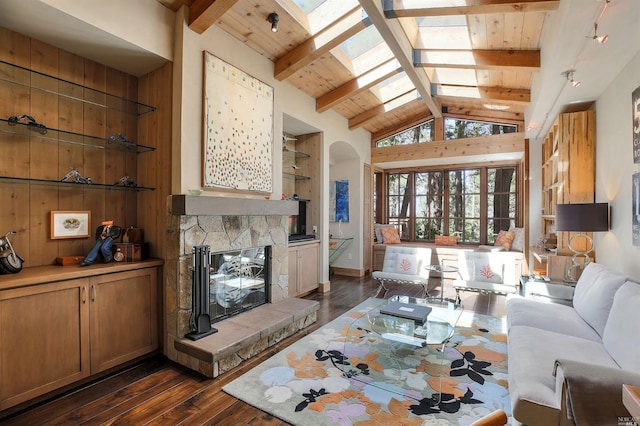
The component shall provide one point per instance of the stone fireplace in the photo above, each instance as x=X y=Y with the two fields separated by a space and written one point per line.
x=224 y=224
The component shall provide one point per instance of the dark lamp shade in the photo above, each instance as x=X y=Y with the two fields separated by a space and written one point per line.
x=582 y=217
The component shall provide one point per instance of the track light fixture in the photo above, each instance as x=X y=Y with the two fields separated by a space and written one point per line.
x=602 y=39
x=273 y=18
x=569 y=76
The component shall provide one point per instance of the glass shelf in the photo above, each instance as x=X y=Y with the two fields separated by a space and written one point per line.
x=70 y=137
x=34 y=79
x=297 y=154
x=294 y=176
x=79 y=185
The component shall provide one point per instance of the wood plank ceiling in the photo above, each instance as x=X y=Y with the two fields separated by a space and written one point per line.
x=388 y=67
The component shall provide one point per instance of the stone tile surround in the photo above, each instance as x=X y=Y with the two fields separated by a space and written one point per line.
x=226 y=224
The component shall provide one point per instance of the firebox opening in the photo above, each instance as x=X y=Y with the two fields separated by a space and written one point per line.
x=238 y=281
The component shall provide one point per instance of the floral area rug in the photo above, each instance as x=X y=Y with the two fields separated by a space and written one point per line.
x=336 y=376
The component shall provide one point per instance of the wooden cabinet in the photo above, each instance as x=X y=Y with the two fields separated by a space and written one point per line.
x=54 y=334
x=44 y=339
x=303 y=268
x=568 y=169
x=124 y=318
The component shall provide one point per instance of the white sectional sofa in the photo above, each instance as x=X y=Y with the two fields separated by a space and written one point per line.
x=567 y=364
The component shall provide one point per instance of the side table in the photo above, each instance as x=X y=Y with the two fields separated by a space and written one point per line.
x=442 y=269
x=547 y=291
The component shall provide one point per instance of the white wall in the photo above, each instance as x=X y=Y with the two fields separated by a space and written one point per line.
x=614 y=168
x=351 y=170
x=187 y=137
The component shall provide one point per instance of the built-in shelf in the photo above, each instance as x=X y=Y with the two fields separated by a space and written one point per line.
x=76 y=184
x=57 y=86
x=56 y=135
x=294 y=176
x=298 y=154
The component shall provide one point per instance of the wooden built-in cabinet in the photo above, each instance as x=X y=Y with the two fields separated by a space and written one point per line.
x=303 y=267
x=56 y=333
x=568 y=171
x=301 y=168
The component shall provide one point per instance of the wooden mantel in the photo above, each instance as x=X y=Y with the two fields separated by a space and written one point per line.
x=202 y=205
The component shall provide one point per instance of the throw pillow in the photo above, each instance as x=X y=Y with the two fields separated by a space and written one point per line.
x=594 y=294
x=621 y=336
x=505 y=239
x=446 y=240
x=390 y=235
x=407 y=264
x=485 y=271
x=377 y=229
x=518 y=239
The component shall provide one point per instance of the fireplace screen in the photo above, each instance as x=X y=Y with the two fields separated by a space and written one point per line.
x=238 y=281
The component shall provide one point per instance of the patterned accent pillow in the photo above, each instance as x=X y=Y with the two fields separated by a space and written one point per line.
x=505 y=239
x=377 y=229
x=407 y=264
x=487 y=273
x=446 y=240
x=390 y=235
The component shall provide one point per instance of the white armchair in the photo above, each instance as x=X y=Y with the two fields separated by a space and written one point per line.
x=404 y=265
x=486 y=273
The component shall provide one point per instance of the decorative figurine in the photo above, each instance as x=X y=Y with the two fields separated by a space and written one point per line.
x=105 y=234
x=10 y=261
x=29 y=121
x=75 y=177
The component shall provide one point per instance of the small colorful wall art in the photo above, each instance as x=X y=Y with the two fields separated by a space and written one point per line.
x=238 y=130
x=339 y=201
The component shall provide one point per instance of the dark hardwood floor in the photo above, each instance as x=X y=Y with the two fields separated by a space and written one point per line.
x=159 y=392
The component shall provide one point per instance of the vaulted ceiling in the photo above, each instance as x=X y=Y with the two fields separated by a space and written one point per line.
x=385 y=68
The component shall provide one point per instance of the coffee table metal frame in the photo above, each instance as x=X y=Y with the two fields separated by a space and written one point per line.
x=437 y=331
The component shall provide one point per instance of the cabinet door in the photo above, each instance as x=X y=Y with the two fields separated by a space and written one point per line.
x=307 y=268
x=124 y=317
x=293 y=272
x=44 y=339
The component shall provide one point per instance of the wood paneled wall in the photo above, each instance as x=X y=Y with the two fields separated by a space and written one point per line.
x=26 y=206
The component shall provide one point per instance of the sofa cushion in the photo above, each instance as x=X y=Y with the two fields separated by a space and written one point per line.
x=532 y=353
x=377 y=229
x=621 y=335
x=548 y=316
x=518 y=239
x=594 y=294
x=390 y=235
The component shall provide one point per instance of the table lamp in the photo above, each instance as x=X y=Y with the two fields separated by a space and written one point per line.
x=581 y=218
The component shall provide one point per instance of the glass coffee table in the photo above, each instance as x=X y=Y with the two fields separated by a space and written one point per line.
x=385 y=351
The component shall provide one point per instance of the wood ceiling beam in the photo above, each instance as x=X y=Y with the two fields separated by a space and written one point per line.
x=204 y=13
x=311 y=49
x=358 y=85
x=528 y=60
x=516 y=96
x=395 y=37
x=362 y=118
x=484 y=145
x=397 y=9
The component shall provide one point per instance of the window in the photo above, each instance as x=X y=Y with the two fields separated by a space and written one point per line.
x=398 y=198
x=473 y=204
x=417 y=134
x=464 y=205
x=429 y=190
x=460 y=129
x=501 y=200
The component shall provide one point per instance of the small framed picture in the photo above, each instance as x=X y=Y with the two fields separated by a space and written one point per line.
x=70 y=224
